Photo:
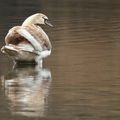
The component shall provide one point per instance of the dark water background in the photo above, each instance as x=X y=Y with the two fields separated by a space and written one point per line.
x=81 y=79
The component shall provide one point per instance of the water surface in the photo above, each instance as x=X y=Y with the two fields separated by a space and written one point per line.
x=81 y=79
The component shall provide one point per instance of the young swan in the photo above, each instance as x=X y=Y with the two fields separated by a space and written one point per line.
x=28 y=42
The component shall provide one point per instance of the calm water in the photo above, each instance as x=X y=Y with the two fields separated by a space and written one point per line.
x=81 y=79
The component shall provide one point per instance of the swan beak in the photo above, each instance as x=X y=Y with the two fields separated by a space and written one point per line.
x=47 y=22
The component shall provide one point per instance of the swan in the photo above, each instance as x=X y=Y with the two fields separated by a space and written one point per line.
x=28 y=42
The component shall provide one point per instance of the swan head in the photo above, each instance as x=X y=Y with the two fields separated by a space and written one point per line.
x=37 y=19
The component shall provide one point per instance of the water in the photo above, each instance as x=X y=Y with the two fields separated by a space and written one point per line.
x=81 y=79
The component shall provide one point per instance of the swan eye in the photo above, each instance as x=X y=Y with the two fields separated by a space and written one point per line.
x=45 y=19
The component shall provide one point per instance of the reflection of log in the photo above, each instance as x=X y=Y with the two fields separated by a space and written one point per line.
x=27 y=89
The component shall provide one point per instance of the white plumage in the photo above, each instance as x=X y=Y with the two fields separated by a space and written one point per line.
x=28 y=42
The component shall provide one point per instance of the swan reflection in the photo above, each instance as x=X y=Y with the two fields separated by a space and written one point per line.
x=27 y=90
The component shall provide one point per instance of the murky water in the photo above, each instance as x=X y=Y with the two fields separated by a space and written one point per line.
x=81 y=79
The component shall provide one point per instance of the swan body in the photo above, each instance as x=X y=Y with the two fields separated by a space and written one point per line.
x=28 y=42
